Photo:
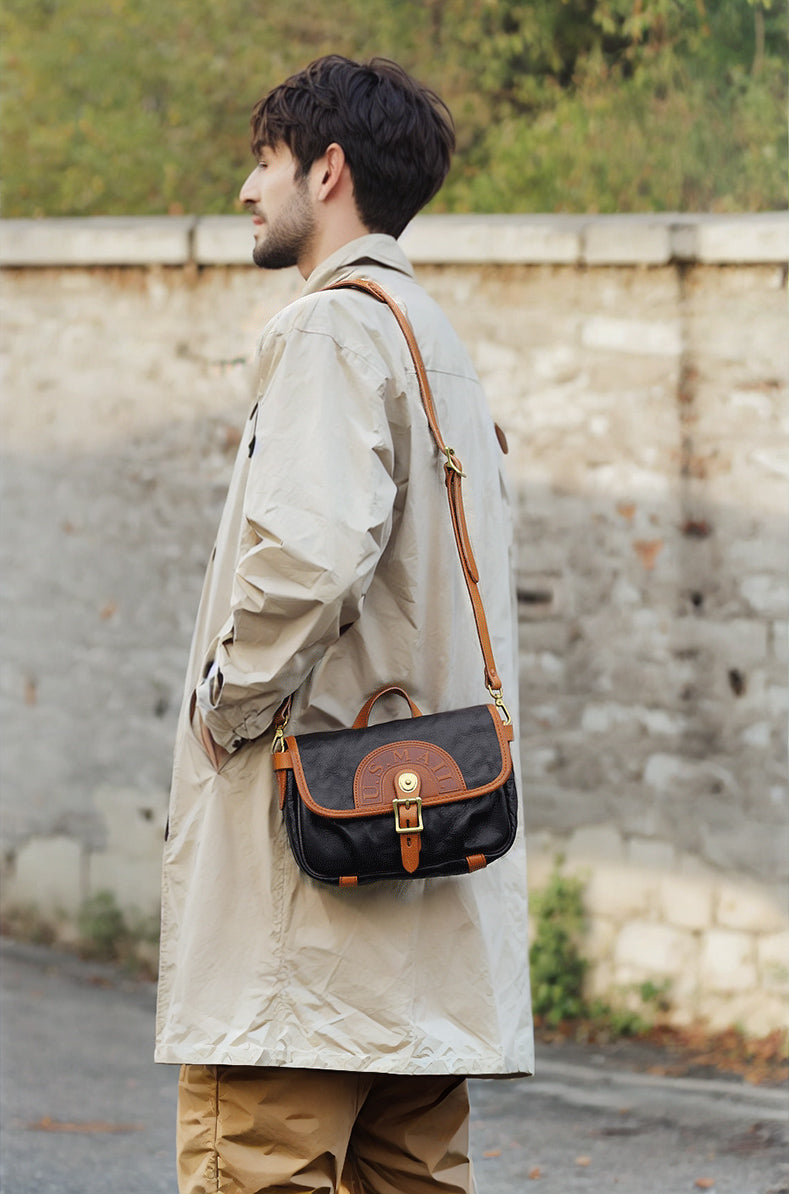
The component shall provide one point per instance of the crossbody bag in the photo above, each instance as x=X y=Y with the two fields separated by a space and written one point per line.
x=421 y=796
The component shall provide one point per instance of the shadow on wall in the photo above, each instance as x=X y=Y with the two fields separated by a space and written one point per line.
x=652 y=681
x=652 y=677
x=643 y=408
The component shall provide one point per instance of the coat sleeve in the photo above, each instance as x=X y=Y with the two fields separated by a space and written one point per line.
x=317 y=515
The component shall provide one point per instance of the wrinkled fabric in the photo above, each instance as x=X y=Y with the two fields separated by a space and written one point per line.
x=244 y=1129
x=335 y=572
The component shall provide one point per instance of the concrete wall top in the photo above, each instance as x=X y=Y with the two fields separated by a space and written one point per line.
x=97 y=240
x=654 y=239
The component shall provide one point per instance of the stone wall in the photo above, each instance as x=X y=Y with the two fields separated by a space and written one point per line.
x=639 y=366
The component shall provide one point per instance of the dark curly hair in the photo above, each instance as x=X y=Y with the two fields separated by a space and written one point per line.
x=397 y=135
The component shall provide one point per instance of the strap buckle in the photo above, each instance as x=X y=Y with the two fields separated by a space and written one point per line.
x=452 y=461
x=405 y=803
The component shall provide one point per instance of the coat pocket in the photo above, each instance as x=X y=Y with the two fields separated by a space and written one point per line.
x=216 y=762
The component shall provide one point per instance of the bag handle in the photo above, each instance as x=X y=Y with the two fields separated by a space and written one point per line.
x=367 y=707
x=454 y=475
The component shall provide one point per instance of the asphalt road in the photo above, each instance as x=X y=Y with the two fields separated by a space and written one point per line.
x=84 y=1110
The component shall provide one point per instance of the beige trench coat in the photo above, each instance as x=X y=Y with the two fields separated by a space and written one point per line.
x=335 y=572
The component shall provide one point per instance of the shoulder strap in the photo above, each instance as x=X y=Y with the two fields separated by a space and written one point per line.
x=454 y=474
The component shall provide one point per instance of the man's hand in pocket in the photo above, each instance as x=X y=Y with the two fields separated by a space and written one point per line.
x=216 y=753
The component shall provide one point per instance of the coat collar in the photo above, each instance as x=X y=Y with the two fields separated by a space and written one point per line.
x=373 y=249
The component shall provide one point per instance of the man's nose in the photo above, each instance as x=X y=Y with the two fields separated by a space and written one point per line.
x=248 y=193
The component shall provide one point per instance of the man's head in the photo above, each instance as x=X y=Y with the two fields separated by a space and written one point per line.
x=397 y=136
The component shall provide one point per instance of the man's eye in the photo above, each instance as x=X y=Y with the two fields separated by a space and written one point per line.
x=262 y=165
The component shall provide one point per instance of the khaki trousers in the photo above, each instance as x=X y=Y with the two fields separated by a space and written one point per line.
x=245 y=1129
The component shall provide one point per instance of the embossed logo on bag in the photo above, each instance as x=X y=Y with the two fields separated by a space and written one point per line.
x=374 y=785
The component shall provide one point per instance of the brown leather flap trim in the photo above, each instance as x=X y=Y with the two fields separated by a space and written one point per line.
x=282 y=760
x=503 y=734
x=349 y=881
x=476 y=861
x=376 y=775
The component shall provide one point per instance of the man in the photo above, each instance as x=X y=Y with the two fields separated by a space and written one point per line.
x=326 y=1034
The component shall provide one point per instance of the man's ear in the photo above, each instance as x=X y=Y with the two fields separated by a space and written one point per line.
x=329 y=171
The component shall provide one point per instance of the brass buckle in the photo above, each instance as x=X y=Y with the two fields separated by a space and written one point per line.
x=406 y=802
x=452 y=461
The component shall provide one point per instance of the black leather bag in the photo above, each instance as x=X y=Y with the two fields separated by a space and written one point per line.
x=412 y=798
x=416 y=797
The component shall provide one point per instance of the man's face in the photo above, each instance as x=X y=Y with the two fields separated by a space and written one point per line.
x=283 y=219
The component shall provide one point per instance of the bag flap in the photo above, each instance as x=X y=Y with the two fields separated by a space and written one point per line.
x=352 y=773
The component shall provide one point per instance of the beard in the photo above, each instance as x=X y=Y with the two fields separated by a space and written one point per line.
x=289 y=236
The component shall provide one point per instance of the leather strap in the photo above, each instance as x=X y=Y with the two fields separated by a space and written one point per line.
x=410 y=843
x=453 y=473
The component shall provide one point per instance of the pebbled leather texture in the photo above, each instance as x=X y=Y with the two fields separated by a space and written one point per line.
x=474 y=816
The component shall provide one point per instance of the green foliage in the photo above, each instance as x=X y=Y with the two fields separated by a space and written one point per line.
x=558 y=969
x=656 y=995
x=104 y=932
x=102 y=927
x=107 y=934
x=632 y=146
x=557 y=966
x=610 y=1023
x=139 y=107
